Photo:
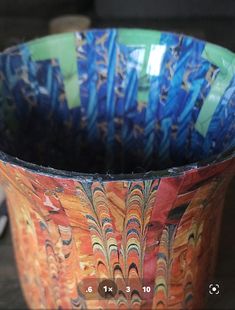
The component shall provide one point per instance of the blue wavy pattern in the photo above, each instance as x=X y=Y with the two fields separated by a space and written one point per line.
x=111 y=121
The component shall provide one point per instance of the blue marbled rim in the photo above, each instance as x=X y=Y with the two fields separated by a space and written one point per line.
x=171 y=172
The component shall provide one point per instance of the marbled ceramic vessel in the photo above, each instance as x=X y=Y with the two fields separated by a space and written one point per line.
x=117 y=147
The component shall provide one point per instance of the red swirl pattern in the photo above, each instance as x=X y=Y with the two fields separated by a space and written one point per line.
x=160 y=233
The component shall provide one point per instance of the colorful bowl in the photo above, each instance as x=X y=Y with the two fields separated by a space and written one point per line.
x=117 y=146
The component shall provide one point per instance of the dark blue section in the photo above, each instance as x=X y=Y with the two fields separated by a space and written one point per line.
x=113 y=129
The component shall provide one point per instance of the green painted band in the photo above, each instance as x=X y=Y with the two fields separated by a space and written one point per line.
x=225 y=61
x=50 y=48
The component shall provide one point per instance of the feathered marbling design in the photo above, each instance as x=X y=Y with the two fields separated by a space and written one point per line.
x=139 y=100
x=108 y=107
x=159 y=233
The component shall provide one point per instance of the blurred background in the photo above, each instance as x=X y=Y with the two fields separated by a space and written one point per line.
x=211 y=20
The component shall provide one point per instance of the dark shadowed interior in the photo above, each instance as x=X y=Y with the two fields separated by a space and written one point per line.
x=121 y=101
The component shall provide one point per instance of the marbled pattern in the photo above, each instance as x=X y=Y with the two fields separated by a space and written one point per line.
x=143 y=99
x=103 y=105
x=160 y=233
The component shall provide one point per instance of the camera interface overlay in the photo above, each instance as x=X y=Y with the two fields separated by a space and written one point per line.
x=93 y=288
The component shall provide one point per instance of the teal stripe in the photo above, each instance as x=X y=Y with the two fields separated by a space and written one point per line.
x=63 y=49
x=142 y=39
x=225 y=61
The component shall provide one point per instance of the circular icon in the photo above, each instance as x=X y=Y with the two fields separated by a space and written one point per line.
x=214 y=289
x=107 y=289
